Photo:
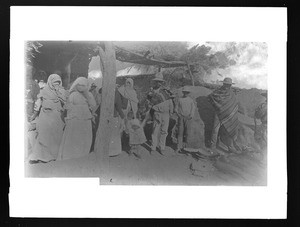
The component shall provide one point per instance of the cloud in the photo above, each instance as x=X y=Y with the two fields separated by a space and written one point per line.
x=256 y=65
x=250 y=70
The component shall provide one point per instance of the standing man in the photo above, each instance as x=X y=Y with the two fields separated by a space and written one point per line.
x=185 y=110
x=261 y=113
x=226 y=123
x=161 y=106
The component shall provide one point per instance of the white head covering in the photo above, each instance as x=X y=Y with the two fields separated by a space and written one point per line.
x=81 y=81
x=128 y=91
x=53 y=78
x=49 y=91
x=129 y=83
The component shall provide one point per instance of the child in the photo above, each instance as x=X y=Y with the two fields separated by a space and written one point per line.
x=185 y=110
x=136 y=133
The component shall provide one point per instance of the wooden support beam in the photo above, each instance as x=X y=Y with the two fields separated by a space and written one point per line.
x=191 y=75
x=108 y=68
x=128 y=56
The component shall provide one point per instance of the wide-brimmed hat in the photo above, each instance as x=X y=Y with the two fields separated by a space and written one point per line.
x=159 y=77
x=227 y=80
x=186 y=89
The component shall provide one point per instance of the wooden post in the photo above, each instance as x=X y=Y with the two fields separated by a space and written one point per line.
x=108 y=68
x=191 y=75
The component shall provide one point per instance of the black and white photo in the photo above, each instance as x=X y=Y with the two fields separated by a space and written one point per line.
x=148 y=112
x=184 y=113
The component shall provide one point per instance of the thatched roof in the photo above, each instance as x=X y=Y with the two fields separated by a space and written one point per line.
x=123 y=55
x=128 y=56
x=136 y=70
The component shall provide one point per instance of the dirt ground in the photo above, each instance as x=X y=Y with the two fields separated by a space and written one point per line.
x=193 y=167
x=157 y=169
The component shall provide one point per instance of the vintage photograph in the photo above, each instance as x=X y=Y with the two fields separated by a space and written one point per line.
x=147 y=112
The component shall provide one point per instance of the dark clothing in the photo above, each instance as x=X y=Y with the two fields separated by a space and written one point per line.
x=156 y=97
x=226 y=122
x=226 y=105
x=120 y=102
x=33 y=90
x=226 y=139
x=262 y=113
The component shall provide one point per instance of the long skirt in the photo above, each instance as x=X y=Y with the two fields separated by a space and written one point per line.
x=77 y=139
x=49 y=129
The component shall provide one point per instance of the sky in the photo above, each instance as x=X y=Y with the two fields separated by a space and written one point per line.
x=250 y=70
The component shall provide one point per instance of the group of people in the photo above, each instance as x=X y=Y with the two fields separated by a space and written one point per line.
x=162 y=105
x=66 y=122
x=63 y=121
x=63 y=124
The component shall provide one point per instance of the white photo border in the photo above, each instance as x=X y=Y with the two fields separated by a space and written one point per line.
x=83 y=197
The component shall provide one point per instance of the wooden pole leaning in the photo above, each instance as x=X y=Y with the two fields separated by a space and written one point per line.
x=104 y=132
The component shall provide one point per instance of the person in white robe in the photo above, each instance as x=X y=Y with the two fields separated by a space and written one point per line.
x=77 y=137
x=48 y=112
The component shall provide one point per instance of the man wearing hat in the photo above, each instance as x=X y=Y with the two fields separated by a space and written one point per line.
x=185 y=109
x=226 y=123
x=261 y=113
x=160 y=101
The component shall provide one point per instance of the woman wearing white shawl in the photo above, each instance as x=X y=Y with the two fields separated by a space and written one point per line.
x=77 y=137
x=49 y=124
x=129 y=93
